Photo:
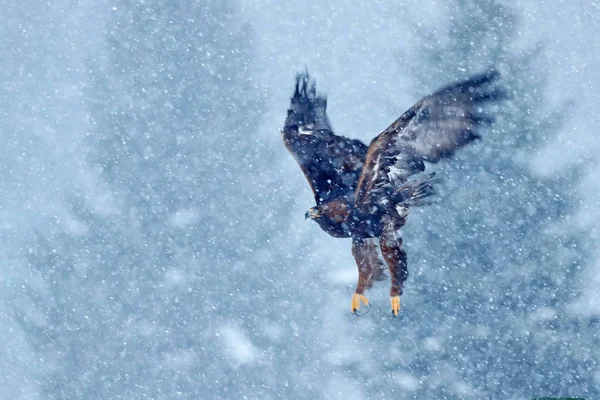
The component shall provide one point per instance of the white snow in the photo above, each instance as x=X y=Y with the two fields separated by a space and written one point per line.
x=406 y=381
x=237 y=346
x=184 y=217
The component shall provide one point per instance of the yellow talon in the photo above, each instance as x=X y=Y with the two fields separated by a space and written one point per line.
x=356 y=299
x=395 y=305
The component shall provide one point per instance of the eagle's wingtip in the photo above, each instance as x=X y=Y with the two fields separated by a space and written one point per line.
x=305 y=86
x=308 y=109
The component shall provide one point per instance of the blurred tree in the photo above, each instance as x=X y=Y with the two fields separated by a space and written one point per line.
x=132 y=301
x=499 y=259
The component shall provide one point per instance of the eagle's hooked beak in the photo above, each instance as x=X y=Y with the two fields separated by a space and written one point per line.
x=312 y=213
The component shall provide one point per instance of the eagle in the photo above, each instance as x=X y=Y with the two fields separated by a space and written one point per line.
x=364 y=192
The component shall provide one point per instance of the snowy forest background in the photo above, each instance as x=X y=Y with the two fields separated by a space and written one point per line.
x=152 y=227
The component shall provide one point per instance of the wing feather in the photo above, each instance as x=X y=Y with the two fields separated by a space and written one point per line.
x=434 y=128
x=331 y=163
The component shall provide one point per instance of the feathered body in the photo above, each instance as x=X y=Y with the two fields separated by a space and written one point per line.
x=364 y=192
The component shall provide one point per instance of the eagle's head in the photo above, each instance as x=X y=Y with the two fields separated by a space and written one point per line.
x=334 y=212
x=313 y=213
x=331 y=217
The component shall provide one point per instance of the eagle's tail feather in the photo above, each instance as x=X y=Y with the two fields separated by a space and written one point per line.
x=414 y=192
x=308 y=110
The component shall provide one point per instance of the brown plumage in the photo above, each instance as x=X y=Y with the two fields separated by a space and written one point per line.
x=365 y=192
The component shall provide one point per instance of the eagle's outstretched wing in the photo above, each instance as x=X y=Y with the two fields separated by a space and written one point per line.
x=331 y=163
x=435 y=127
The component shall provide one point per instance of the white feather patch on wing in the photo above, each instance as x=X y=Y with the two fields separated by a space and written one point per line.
x=403 y=211
x=401 y=169
x=376 y=168
x=306 y=130
x=395 y=173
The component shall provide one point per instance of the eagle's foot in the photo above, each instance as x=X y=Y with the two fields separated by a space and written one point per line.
x=356 y=299
x=395 y=300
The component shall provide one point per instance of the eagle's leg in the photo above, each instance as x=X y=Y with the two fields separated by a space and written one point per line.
x=363 y=251
x=395 y=257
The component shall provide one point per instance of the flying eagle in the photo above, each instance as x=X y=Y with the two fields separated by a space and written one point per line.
x=364 y=192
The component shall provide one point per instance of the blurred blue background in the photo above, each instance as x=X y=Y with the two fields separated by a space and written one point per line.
x=152 y=230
